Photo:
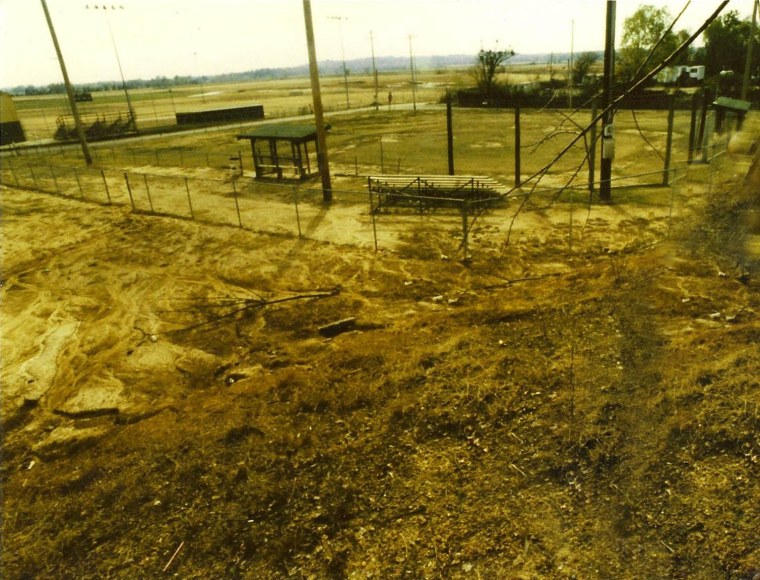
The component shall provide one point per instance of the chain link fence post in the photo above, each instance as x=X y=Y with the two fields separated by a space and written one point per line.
x=55 y=179
x=298 y=215
x=465 y=229
x=147 y=190
x=189 y=200
x=237 y=205
x=372 y=214
x=79 y=183
x=105 y=183
x=13 y=172
x=129 y=191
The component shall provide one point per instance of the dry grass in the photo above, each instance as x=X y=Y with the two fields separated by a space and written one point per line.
x=553 y=414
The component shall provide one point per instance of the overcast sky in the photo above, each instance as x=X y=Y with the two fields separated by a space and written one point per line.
x=197 y=37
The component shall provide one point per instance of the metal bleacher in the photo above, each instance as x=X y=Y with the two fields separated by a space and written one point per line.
x=425 y=192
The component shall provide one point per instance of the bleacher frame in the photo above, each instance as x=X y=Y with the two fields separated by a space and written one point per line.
x=427 y=192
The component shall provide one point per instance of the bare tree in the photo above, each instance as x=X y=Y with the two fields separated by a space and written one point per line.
x=582 y=65
x=488 y=65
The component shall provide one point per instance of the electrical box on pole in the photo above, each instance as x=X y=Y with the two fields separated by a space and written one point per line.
x=608 y=142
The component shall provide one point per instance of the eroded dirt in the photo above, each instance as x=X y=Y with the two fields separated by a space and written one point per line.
x=532 y=414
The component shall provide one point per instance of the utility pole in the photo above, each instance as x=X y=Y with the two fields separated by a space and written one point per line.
x=750 y=43
x=414 y=82
x=131 y=109
x=449 y=133
x=69 y=88
x=374 y=69
x=316 y=93
x=608 y=139
x=551 y=70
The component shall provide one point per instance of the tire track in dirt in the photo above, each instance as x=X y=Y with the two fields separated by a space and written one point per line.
x=638 y=477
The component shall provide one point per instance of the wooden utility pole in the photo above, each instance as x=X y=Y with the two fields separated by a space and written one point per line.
x=69 y=88
x=322 y=161
x=449 y=133
x=608 y=143
x=750 y=43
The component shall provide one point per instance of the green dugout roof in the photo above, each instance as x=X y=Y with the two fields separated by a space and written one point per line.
x=287 y=132
x=731 y=104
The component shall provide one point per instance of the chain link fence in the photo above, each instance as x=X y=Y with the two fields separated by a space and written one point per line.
x=230 y=197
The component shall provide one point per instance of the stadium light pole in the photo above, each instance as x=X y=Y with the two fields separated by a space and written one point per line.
x=374 y=69
x=340 y=20
x=316 y=94
x=69 y=88
x=570 y=67
x=414 y=82
x=105 y=9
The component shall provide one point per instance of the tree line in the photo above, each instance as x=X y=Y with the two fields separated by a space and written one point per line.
x=648 y=39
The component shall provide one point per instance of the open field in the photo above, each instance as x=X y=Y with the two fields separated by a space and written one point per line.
x=281 y=98
x=581 y=402
x=401 y=141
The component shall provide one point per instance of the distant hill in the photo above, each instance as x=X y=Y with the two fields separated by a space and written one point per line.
x=327 y=67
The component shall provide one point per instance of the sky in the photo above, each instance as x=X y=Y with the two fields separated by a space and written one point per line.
x=204 y=37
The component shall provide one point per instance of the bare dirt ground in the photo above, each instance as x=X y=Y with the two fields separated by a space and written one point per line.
x=171 y=408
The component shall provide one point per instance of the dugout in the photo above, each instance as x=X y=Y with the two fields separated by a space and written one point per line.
x=226 y=115
x=282 y=151
x=725 y=108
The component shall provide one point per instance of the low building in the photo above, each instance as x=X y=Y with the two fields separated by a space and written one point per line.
x=11 y=130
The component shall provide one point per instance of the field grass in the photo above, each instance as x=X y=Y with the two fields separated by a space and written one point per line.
x=404 y=141
x=280 y=97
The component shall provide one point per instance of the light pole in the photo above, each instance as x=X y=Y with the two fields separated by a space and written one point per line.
x=414 y=82
x=570 y=67
x=374 y=68
x=340 y=20
x=132 y=116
